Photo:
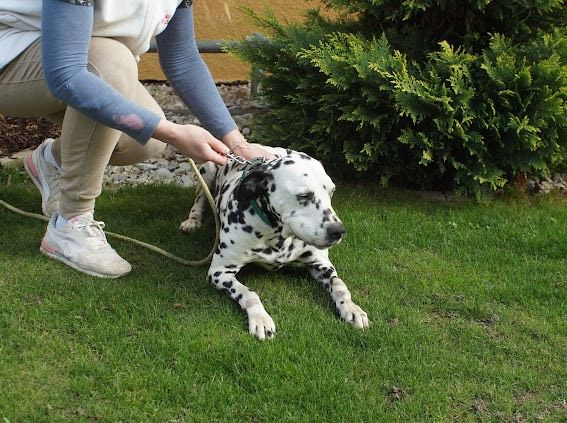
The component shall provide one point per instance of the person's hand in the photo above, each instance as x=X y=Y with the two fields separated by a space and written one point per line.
x=196 y=142
x=240 y=147
x=251 y=151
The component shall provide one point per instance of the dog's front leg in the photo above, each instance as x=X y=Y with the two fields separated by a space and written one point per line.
x=223 y=277
x=325 y=273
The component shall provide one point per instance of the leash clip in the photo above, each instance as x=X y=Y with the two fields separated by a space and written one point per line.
x=237 y=159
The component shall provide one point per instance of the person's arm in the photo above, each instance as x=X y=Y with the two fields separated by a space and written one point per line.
x=65 y=38
x=191 y=79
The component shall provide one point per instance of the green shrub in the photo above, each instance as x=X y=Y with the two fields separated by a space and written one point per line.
x=438 y=94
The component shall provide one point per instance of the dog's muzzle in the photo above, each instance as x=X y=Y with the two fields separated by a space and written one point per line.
x=335 y=232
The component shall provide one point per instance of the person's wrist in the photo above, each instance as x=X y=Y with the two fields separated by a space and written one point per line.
x=234 y=139
x=167 y=131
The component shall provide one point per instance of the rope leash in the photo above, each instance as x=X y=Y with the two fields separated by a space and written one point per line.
x=150 y=247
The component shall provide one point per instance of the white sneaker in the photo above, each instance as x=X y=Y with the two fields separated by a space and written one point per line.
x=45 y=176
x=81 y=244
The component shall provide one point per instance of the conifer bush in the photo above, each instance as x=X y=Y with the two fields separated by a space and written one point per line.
x=438 y=94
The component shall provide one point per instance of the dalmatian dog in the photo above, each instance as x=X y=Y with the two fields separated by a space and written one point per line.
x=273 y=213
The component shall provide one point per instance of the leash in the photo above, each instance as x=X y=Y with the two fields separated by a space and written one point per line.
x=150 y=247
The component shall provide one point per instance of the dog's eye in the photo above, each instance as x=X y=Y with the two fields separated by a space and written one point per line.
x=307 y=196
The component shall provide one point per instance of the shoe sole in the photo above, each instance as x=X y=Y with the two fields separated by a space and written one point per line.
x=30 y=167
x=50 y=252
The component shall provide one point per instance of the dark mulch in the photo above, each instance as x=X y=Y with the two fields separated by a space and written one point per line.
x=17 y=134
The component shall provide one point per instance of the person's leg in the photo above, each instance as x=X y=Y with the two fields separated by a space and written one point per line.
x=24 y=93
x=86 y=145
x=23 y=90
x=83 y=151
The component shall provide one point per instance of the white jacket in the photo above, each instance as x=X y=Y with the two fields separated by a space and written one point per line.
x=132 y=22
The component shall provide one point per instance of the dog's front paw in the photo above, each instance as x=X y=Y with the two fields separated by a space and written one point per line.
x=260 y=324
x=190 y=224
x=353 y=314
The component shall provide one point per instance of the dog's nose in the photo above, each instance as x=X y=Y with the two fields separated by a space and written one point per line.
x=335 y=231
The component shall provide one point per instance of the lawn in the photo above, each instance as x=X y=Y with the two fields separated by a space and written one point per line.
x=468 y=302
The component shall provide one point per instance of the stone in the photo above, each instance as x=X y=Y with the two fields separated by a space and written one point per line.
x=146 y=166
x=185 y=166
x=187 y=181
x=10 y=163
x=163 y=173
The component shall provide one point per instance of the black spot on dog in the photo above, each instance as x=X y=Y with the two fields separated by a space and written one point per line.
x=258 y=234
x=217 y=273
x=306 y=198
x=232 y=241
x=247 y=228
x=231 y=266
x=222 y=245
x=236 y=217
x=224 y=189
x=239 y=297
x=202 y=171
x=289 y=162
x=305 y=156
x=227 y=284
x=226 y=229
x=273 y=188
x=306 y=254
x=268 y=250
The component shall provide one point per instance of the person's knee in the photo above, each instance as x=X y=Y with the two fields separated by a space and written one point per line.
x=154 y=148
x=129 y=152
x=113 y=62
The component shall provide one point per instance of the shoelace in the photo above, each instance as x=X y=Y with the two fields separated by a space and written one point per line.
x=94 y=231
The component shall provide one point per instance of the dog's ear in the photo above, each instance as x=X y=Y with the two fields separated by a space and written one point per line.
x=253 y=184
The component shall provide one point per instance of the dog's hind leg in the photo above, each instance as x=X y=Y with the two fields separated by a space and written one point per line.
x=208 y=171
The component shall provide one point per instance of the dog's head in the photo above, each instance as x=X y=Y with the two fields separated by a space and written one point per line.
x=295 y=192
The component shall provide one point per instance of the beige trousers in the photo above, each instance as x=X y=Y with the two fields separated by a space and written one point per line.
x=85 y=146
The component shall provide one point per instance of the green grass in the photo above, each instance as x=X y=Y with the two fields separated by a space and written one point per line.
x=467 y=299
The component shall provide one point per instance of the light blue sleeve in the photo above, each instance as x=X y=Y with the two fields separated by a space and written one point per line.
x=65 y=37
x=189 y=75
